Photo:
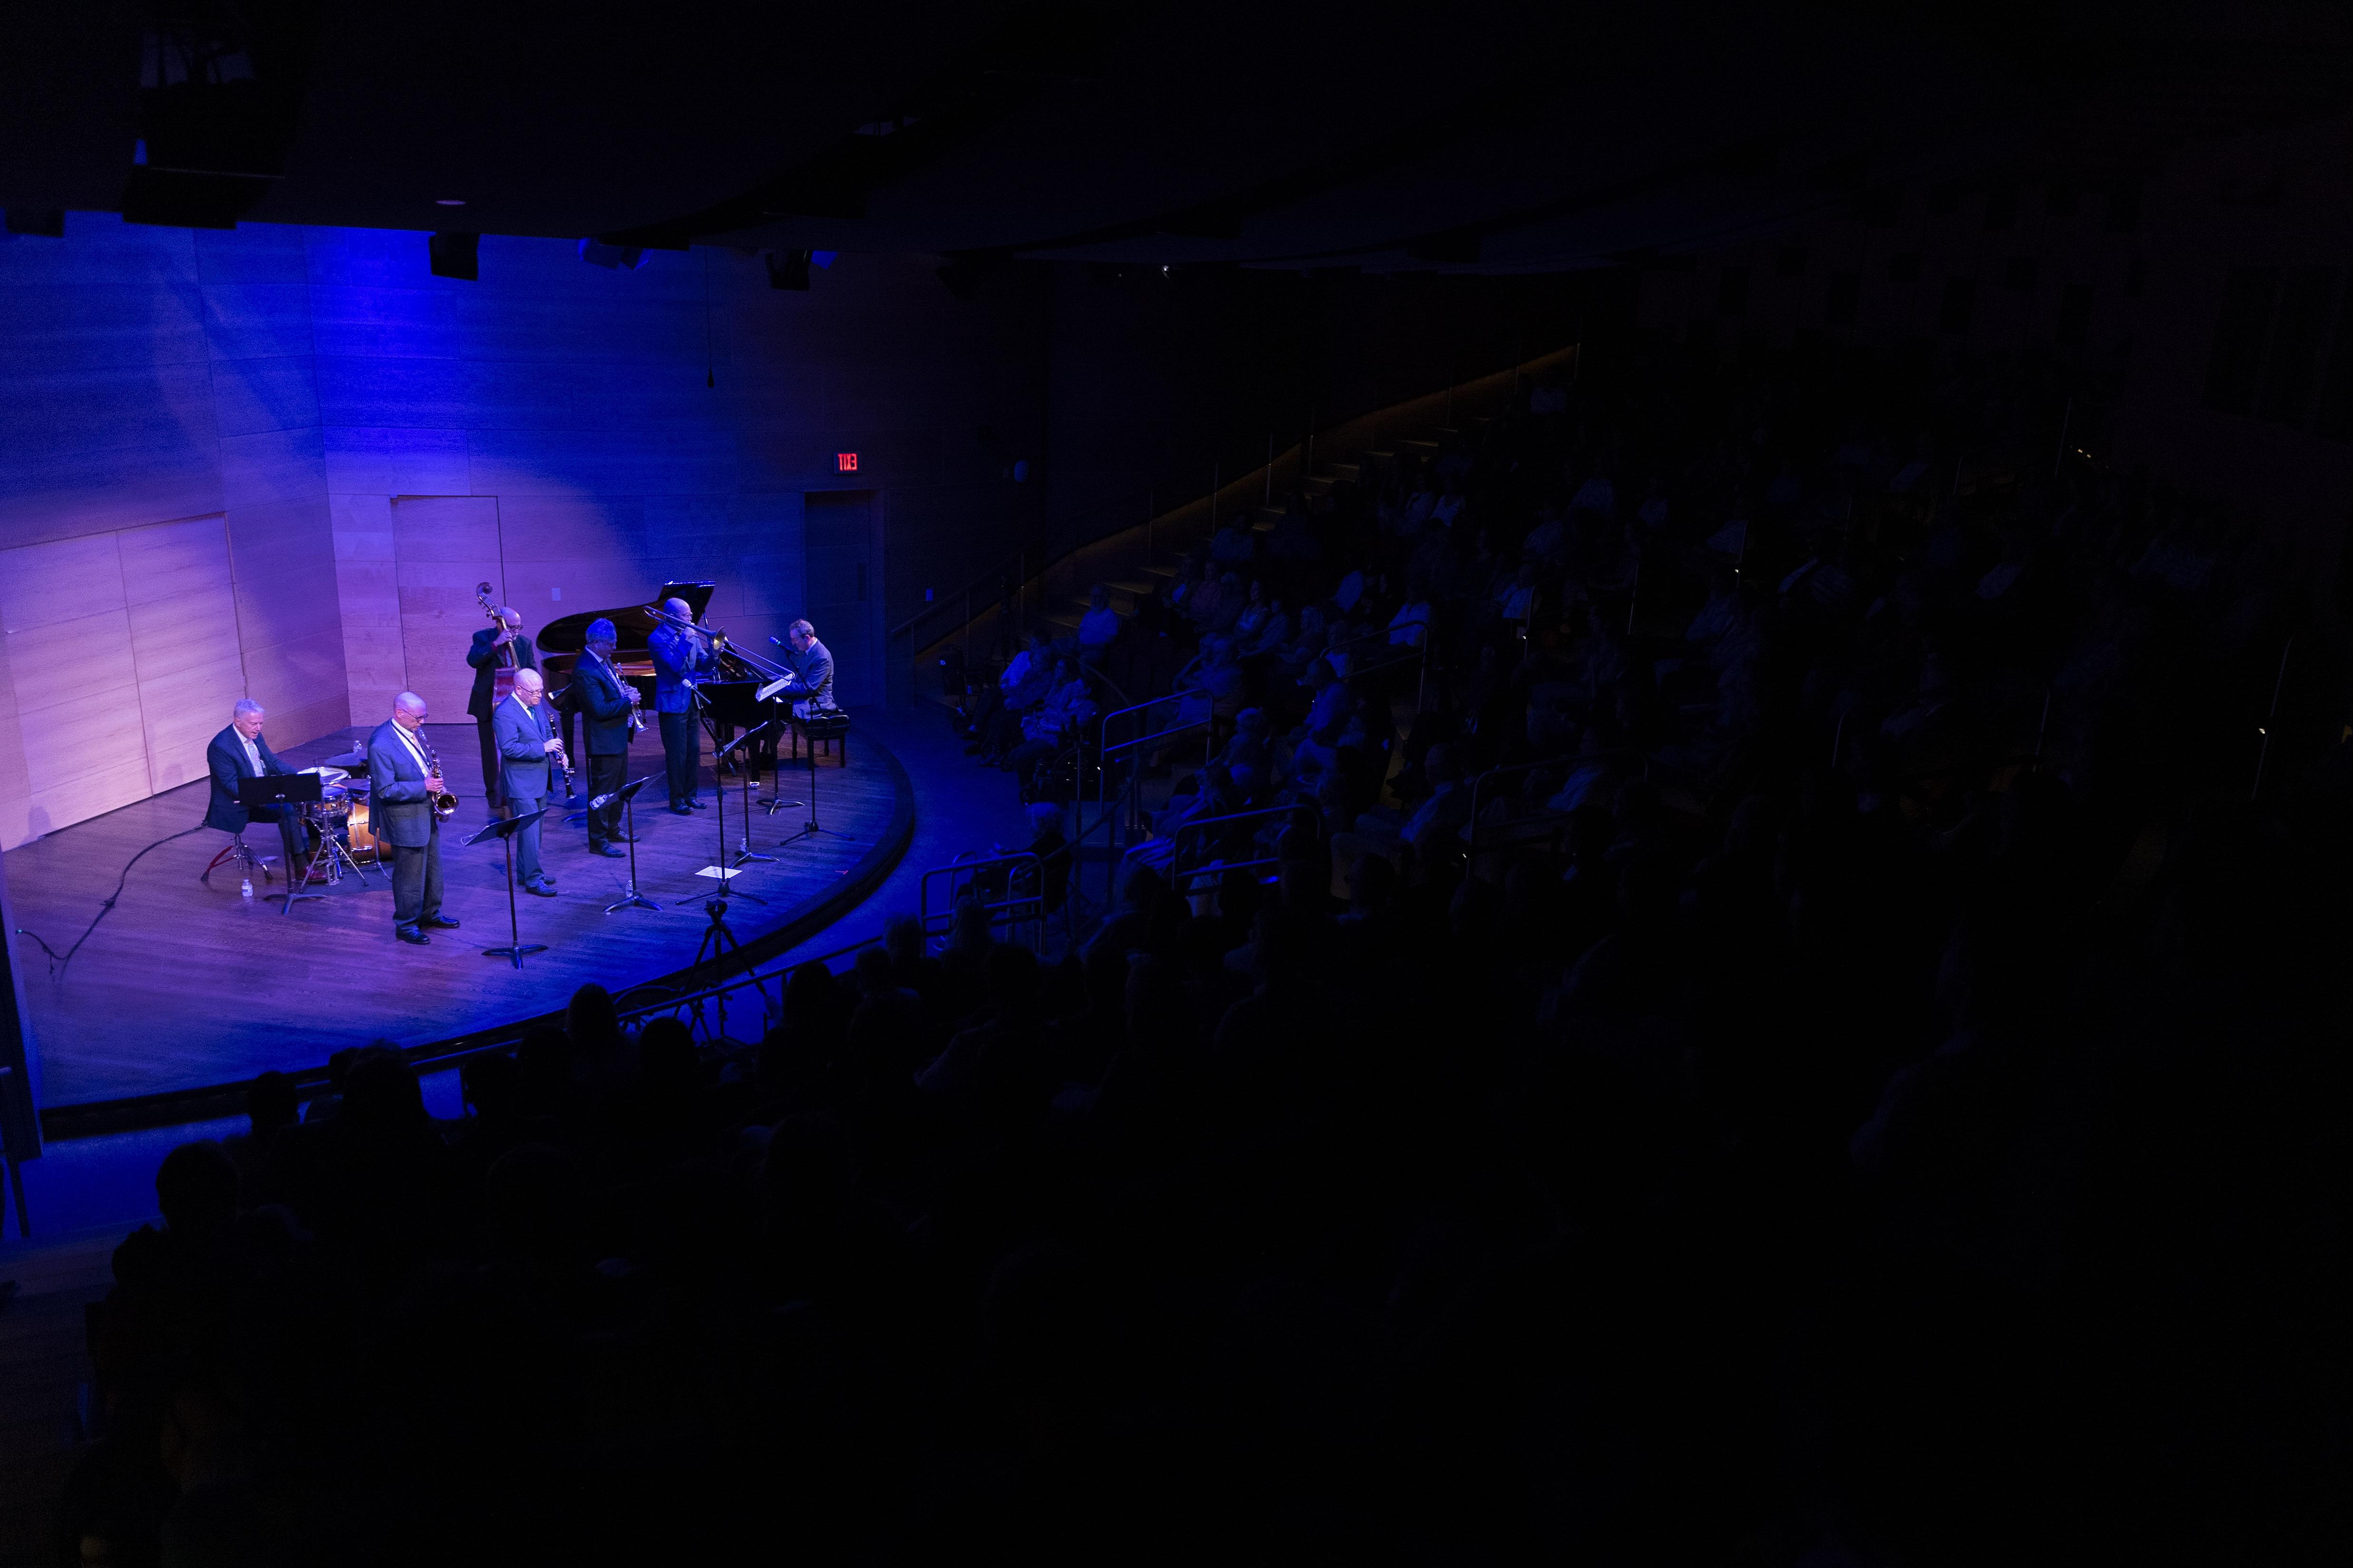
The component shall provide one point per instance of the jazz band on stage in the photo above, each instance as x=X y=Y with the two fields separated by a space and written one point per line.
x=517 y=725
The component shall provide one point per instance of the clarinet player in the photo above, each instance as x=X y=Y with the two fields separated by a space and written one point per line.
x=524 y=747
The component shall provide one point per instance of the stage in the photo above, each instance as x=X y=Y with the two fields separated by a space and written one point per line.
x=186 y=987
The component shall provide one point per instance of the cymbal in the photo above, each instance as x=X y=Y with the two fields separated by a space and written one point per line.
x=352 y=759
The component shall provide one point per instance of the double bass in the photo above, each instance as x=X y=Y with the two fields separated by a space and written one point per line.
x=502 y=673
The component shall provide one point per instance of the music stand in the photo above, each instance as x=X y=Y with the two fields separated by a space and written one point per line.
x=744 y=850
x=836 y=724
x=504 y=832
x=718 y=867
x=627 y=795
x=284 y=791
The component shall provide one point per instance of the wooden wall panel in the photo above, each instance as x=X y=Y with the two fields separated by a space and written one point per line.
x=367 y=594
x=444 y=546
x=180 y=615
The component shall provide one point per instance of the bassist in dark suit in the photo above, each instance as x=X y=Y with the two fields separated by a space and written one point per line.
x=240 y=752
x=499 y=645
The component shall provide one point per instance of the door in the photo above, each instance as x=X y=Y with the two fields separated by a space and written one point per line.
x=842 y=558
x=442 y=546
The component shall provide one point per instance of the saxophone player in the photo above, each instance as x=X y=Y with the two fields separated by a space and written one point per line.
x=404 y=777
x=603 y=699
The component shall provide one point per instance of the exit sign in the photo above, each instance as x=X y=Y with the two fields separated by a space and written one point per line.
x=845 y=462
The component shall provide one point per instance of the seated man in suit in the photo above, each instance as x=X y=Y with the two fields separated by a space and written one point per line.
x=404 y=774
x=524 y=744
x=812 y=667
x=240 y=752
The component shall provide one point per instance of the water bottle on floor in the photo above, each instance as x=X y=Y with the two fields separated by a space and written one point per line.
x=245 y=890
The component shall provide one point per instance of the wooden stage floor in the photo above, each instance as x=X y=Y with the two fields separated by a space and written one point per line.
x=185 y=986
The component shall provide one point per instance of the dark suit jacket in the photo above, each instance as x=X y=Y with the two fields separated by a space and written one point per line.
x=597 y=694
x=522 y=735
x=397 y=809
x=225 y=758
x=484 y=660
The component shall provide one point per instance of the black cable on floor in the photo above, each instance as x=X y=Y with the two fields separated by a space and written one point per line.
x=58 y=963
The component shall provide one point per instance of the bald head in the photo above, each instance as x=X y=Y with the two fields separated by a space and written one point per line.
x=409 y=710
x=530 y=687
x=679 y=607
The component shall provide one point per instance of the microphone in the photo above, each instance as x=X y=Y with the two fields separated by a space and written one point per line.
x=775 y=642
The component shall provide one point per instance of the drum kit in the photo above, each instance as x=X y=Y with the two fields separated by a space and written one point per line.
x=340 y=816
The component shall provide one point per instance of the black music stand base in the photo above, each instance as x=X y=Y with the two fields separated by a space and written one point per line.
x=745 y=853
x=630 y=898
x=809 y=829
x=718 y=869
x=505 y=831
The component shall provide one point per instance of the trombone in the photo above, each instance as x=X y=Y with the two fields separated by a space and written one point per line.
x=768 y=669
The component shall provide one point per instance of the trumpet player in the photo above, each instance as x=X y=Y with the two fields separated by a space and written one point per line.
x=404 y=777
x=684 y=658
x=604 y=702
x=524 y=747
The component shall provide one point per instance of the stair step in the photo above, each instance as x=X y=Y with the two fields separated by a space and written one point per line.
x=1318 y=485
x=1346 y=473
x=1419 y=447
x=1137 y=586
x=1270 y=514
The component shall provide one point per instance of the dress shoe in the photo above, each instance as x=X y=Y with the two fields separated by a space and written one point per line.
x=681 y=811
x=615 y=850
x=698 y=804
x=440 y=923
x=542 y=889
x=622 y=839
x=410 y=933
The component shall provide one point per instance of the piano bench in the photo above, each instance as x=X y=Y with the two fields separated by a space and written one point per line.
x=830 y=732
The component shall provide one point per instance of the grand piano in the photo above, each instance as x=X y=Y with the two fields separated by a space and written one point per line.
x=561 y=642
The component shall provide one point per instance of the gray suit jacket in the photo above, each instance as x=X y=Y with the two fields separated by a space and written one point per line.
x=397 y=809
x=521 y=734
x=815 y=670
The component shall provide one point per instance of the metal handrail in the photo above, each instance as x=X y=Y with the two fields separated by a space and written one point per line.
x=1177 y=839
x=1301 y=453
x=972 y=867
x=1159 y=736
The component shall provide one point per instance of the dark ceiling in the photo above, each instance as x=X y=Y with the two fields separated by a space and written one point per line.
x=1508 y=136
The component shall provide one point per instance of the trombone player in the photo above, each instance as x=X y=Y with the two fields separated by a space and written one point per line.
x=684 y=656
x=404 y=778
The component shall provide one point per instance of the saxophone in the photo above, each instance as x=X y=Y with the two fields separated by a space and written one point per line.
x=444 y=803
